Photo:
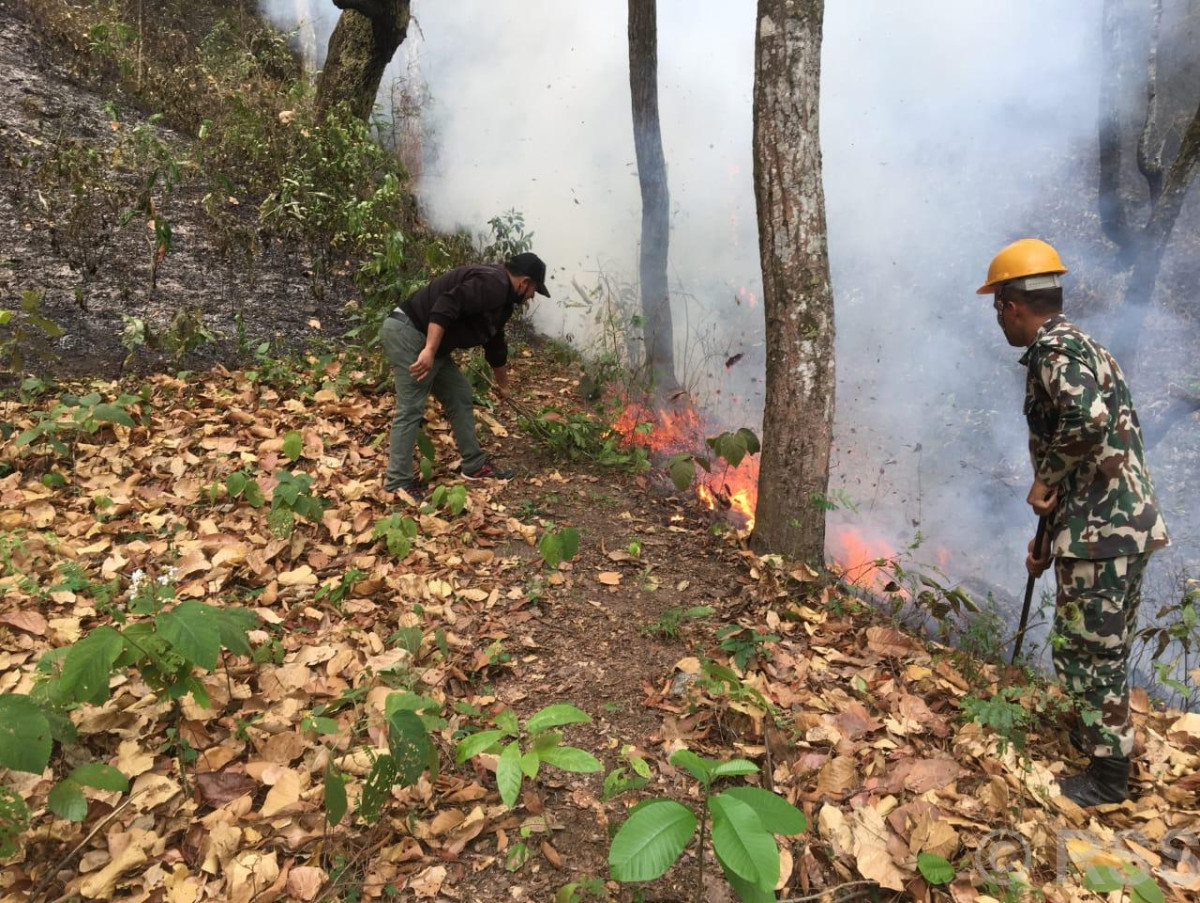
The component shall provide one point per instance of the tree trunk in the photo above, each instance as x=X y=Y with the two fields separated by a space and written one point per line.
x=367 y=35
x=1152 y=242
x=652 y=177
x=797 y=295
x=1116 y=30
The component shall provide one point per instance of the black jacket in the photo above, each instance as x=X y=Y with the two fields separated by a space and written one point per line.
x=472 y=304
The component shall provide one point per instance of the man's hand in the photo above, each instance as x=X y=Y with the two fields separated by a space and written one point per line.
x=1036 y=561
x=422 y=366
x=1042 y=498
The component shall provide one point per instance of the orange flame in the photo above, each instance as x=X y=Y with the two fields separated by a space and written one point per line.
x=665 y=432
x=859 y=556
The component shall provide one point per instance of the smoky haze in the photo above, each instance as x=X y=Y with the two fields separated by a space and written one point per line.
x=949 y=129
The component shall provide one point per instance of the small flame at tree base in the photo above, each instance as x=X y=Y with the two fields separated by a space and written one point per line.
x=664 y=432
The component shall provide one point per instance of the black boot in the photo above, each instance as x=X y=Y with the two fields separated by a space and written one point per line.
x=1105 y=781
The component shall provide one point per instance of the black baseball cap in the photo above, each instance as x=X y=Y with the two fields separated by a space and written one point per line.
x=529 y=264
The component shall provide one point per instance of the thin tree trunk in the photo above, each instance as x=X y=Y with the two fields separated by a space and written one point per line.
x=797 y=295
x=367 y=35
x=1118 y=19
x=1152 y=243
x=657 y=328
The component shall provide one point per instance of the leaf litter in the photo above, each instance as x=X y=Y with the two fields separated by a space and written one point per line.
x=852 y=720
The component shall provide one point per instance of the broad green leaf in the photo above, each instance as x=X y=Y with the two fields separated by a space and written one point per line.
x=236 y=483
x=14 y=819
x=650 y=840
x=506 y=720
x=192 y=628
x=550 y=547
x=67 y=801
x=110 y=413
x=734 y=768
x=336 y=803
x=570 y=542
x=935 y=868
x=1144 y=889
x=547 y=740
x=456 y=499
x=86 y=667
x=1104 y=879
x=409 y=702
x=746 y=892
x=750 y=440
x=555 y=716
x=320 y=725
x=425 y=444
x=530 y=764
x=410 y=746
x=233 y=625
x=570 y=758
x=776 y=814
x=100 y=776
x=682 y=473
x=293 y=445
x=477 y=743
x=25 y=743
x=695 y=766
x=742 y=843
x=508 y=774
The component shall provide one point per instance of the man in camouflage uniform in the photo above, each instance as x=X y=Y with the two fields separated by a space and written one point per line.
x=1092 y=485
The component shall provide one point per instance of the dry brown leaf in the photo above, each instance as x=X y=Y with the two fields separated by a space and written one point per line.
x=28 y=621
x=301 y=576
x=871 y=850
x=101 y=884
x=609 y=578
x=304 y=882
x=284 y=793
x=428 y=883
x=220 y=787
x=837 y=776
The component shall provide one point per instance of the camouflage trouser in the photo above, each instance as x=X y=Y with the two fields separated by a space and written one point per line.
x=1094 y=619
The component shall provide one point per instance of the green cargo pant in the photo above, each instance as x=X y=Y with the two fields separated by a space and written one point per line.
x=402 y=342
x=1095 y=613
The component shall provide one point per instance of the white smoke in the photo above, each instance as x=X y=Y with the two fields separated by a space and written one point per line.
x=948 y=129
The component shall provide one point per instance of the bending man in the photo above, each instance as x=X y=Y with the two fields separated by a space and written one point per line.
x=1091 y=482
x=463 y=308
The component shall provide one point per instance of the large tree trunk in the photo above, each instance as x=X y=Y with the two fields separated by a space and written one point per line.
x=1119 y=18
x=797 y=295
x=652 y=177
x=367 y=35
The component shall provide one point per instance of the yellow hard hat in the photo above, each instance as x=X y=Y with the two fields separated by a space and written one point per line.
x=1024 y=257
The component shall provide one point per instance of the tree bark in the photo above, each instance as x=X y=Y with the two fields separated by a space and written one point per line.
x=797 y=295
x=1152 y=242
x=1118 y=19
x=366 y=38
x=657 y=328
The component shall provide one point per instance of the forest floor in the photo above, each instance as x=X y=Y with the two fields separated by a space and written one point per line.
x=860 y=725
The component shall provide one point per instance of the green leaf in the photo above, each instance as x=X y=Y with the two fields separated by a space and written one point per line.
x=100 y=776
x=750 y=441
x=67 y=801
x=110 y=413
x=650 y=840
x=336 y=803
x=293 y=445
x=410 y=746
x=506 y=720
x=571 y=758
x=746 y=891
x=570 y=542
x=695 y=766
x=1103 y=879
x=935 y=868
x=682 y=472
x=508 y=774
x=742 y=843
x=1144 y=889
x=734 y=768
x=236 y=482
x=776 y=814
x=555 y=716
x=87 y=665
x=531 y=763
x=409 y=702
x=477 y=743
x=551 y=548
x=192 y=628
x=25 y=743
x=233 y=625
x=425 y=444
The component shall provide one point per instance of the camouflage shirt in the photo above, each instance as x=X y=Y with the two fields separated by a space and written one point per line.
x=1085 y=440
